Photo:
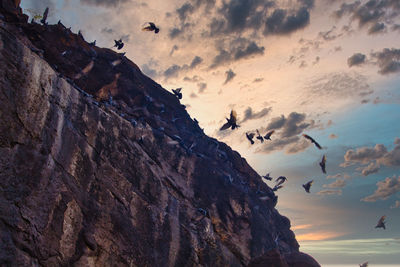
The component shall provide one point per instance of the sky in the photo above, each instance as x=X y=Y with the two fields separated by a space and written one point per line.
x=326 y=68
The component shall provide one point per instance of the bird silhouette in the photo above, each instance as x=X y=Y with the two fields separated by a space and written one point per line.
x=250 y=137
x=259 y=137
x=268 y=135
x=177 y=92
x=267 y=177
x=322 y=164
x=381 y=223
x=365 y=264
x=307 y=186
x=119 y=44
x=231 y=122
x=151 y=27
x=43 y=20
x=312 y=140
x=280 y=180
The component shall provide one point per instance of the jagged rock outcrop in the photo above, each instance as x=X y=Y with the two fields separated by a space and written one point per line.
x=100 y=166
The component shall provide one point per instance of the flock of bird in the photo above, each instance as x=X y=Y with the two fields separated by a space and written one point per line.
x=231 y=122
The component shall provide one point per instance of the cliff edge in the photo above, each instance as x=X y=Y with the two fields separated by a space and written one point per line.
x=101 y=166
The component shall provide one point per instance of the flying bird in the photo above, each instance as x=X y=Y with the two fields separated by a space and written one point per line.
x=307 y=186
x=259 y=137
x=268 y=135
x=177 y=92
x=381 y=223
x=322 y=164
x=267 y=177
x=119 y=44
x=151 y=27
x=231 y=122
x=46 y=12
x=280 y=180
x=365 y=264
x=312 y=140
x=250 y=137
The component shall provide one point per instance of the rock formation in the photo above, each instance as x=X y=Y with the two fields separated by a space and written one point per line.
x=100 y=166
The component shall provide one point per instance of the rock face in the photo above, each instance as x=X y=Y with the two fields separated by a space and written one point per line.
x=100 y=166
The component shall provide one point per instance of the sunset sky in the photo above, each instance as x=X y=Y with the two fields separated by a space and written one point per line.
x=327 y=68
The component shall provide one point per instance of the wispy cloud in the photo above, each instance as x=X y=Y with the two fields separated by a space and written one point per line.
x=386 y=188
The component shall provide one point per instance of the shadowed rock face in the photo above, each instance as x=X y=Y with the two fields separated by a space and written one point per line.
x=100 y=166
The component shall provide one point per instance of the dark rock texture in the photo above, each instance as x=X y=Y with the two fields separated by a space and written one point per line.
x=100 y=166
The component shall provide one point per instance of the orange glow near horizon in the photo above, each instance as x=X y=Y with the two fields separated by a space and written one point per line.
x=318 y=236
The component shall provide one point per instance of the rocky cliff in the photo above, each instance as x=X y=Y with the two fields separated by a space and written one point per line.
x=100 y=166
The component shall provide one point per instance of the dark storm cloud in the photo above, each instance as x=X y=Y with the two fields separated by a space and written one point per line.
x=356 y=59
x=229 y=76
x=106 y=3
x=388 y=60
x=385 y=189
x=185 y=10
x=249 y=114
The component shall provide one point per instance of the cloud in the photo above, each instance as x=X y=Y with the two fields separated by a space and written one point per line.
x=329 y=35
x=257 y=80
x=372 y=168
x=277 y=144
x=333 y=136
x=339 y=183
x=365 y=154
x=107 y=30
x=173 y=49
x=229 y=76
x=388 y=60
x=329 y=192
x=297 y=147
x=377 y=28
x=372 y=12
x=337 y=85
x=282 y=22
x=374 y=156
x=202 y=87
x=106 y=3
x=192 y=95
x=317 y=236
x=287 y=131
x=396 y=205
x=292 y=125
x=235 y=50
x=338 y=175
x=175 y=70
x=195 y=62
x=386 y=188
x=250 y=115
x=356 y=60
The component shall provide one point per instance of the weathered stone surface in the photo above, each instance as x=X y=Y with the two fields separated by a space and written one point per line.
x=96 y=171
